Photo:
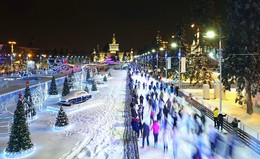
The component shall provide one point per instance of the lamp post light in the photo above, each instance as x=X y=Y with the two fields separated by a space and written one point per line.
x=174 y=45
x=211 y=34
x=166 y=73
x=12 y=43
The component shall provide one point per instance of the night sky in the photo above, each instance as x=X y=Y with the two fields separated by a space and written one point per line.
x=82 y=24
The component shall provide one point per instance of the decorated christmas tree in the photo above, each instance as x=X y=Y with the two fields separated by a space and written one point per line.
x=27 y=101
x=62 y=119
x=88 y=74
x=105 y=78
x=109 y=74
x=86 y=89
x=94 y=86
x=71 y=79
x=53 y=88
x=66 y=89
x=19 y=139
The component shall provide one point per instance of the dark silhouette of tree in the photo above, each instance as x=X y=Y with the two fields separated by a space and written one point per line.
x=86 y=89
x=66 y=89
x=94 y=86
x=88 y=74
x=241 y=50
x=53 y=88
x=105 y=78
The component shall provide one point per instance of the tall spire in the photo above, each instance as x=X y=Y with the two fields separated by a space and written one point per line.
x=114 y=39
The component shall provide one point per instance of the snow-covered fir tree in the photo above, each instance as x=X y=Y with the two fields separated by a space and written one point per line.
x=88 y=74
x=94 y=86
x=53 y=88
x=66 y=89
x=71 y=79
x=105 y=78
x=19 y=139
x=62 y=119
x=30 y=109
x=86 y=89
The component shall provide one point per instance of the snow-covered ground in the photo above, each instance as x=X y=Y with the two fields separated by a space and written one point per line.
x=95 y=130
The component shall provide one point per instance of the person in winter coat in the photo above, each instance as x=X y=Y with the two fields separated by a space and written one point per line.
x=213 y=139
x=221 y=120
x=141 y=112
x=172 y=88
x=133 y=112
x=156 y=128
x=165 y=111
x=151 y=116
x=234 y=124
x=215 y=115
x=177 y=90
x=146 y=132
x=203 y=116
x=141 y=98
x=175 y=119
x=165 y=140
x=135 y=125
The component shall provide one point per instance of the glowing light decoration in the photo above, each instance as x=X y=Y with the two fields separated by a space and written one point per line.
x=18 y=155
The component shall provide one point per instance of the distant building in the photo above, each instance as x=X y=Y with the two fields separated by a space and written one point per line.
x=113 y=53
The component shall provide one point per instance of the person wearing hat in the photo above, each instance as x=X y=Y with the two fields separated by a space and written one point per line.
x=234 y=124
x=221 y=120
x=215 y=115
x=146 y=132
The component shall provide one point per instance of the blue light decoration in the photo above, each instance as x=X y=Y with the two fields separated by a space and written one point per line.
x=11 y=58
x=166 y=55
x=21 y=154
x=179 y=55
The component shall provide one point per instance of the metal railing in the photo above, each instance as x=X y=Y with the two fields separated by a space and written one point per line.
x=251 y=141
x=130 y=139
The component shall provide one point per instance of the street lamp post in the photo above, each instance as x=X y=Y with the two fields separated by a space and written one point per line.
x=220 y=70
x=174 y=45
x=211 y=34
x=179 y=55
x=12 y=43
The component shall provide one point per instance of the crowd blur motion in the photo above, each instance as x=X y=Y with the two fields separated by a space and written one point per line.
x=158 y=109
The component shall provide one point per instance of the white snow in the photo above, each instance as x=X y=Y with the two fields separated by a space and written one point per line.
x=96 y=129
x=96 y=126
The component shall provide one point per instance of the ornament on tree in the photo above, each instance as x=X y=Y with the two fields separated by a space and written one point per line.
x=19 y=139
x=27 y=82
x=20 y=96
x=62 y=119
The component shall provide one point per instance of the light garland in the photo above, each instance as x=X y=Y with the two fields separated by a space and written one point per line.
x=20 y=154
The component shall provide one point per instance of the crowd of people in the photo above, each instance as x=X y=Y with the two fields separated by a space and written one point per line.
x=157 y=108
